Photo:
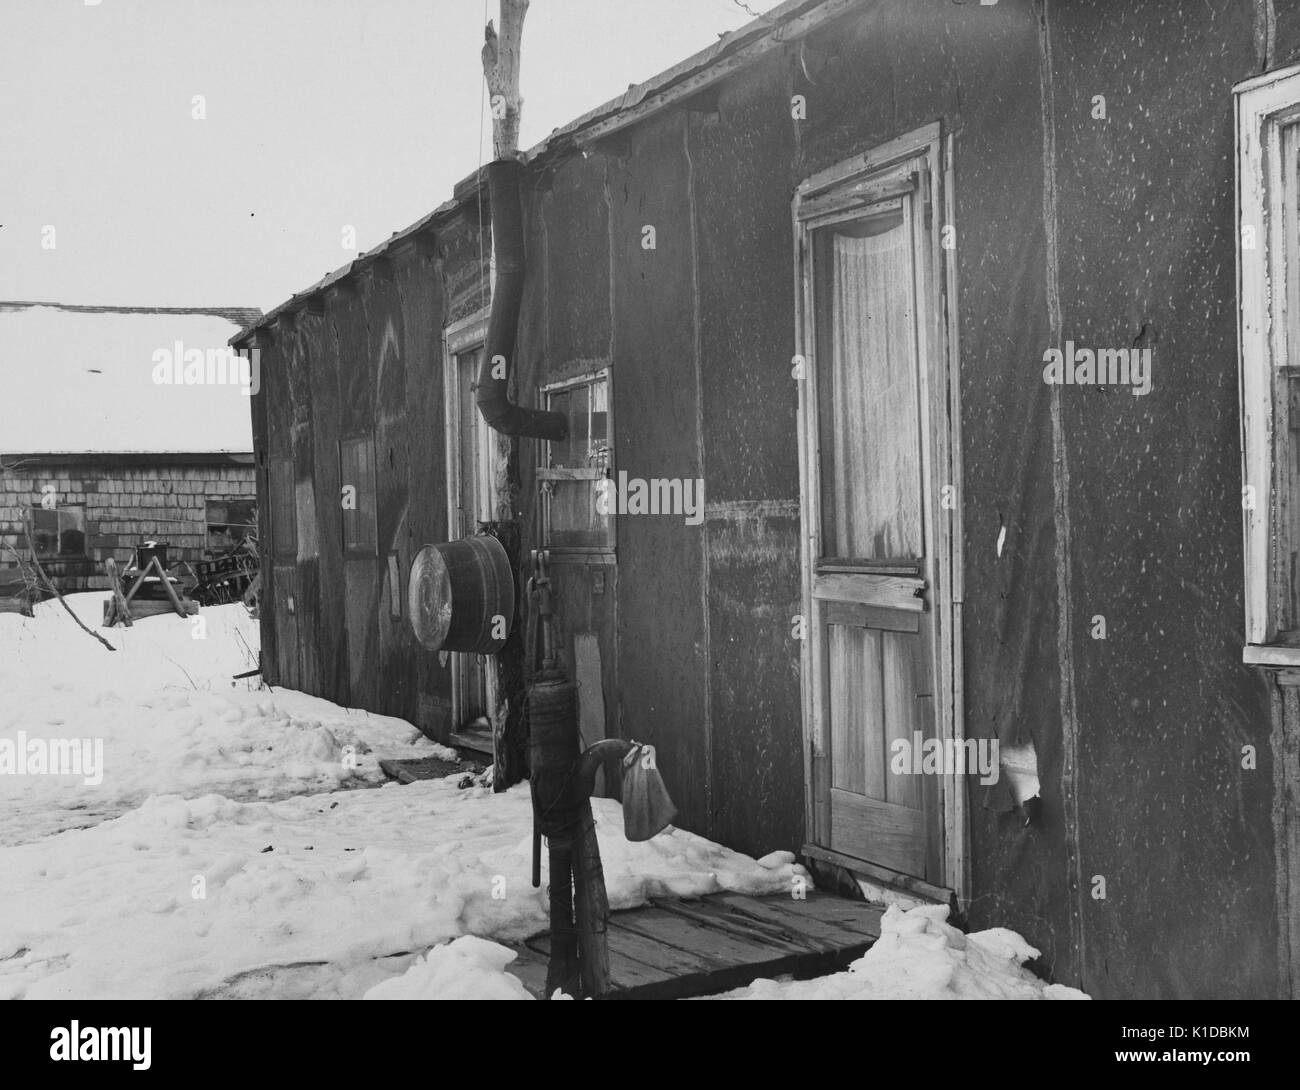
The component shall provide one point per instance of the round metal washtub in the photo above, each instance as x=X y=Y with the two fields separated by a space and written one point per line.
x=462 y=596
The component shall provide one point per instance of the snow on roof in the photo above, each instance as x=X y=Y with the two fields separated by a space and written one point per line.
x=79 y=379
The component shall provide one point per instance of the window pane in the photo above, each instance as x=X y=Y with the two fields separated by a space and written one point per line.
x=867 y=388
x=598 y=454
x=72 y=531
x=562 y=452
x=574 y=518
x=45 y=532
x=580 y=426
x=229 y=522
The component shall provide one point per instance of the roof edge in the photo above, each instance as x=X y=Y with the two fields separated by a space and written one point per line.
x=242 y=316
x=787 y=22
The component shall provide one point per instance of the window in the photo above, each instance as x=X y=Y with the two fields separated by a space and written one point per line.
x=863 y=269
x=572 y=519
x=1268 y=249
x=231 y=522
x=357 y=480
x=284 y=515
x=58 y=532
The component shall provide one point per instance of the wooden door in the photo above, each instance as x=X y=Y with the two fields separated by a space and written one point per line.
x=869 y=498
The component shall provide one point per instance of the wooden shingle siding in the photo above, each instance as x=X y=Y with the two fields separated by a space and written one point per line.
x=124 y=504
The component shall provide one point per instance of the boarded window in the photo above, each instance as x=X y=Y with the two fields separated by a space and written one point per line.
x=231 y=523
x=869 y=409
x=357 y=480
x=575 y=467
x=284 y=516
x=58 y=532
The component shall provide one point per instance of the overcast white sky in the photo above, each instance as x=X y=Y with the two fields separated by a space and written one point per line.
x=320 y=114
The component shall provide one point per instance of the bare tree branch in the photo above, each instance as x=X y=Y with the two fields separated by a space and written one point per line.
x=501 y=60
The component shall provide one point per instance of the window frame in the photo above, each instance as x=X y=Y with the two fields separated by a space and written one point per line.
x=459 y=339
x=228 y=502
x=1268 y=290
x=59 y=511
x=549 y=473
x=370 y=547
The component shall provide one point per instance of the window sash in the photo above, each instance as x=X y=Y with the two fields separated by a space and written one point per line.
x=573 y=468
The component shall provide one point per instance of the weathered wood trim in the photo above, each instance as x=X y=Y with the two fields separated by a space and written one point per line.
x=883 y=876
x=1265 y=107
x=952 y=684
x=887 y=591
x=1253 y=655
x=872 y=161
x=886 y=192
x=816 y=801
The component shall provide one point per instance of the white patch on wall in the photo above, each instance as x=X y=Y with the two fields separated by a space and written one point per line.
x=305 y=502
x=1020 y=765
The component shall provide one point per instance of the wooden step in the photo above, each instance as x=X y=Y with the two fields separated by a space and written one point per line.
x=672 y=949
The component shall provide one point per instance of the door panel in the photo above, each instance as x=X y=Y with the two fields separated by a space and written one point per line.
x=904 y=712
x=878 y=692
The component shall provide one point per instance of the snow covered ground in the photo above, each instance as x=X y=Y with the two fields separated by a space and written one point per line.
x=223 y=854
x=226 y=850
x=921 y=956
x=169 y=718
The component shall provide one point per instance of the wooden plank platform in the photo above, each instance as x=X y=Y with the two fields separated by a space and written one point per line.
x=671 y=949
x=410 y=769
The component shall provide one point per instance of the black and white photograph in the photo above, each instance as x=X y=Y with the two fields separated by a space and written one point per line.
x=650 y=500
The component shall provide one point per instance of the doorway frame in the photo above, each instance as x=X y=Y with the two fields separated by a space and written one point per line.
x=939 y=391
x=461 y=336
